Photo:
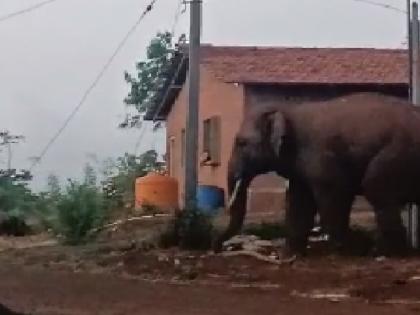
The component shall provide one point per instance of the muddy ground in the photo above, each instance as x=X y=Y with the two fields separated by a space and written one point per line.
x=119 y=275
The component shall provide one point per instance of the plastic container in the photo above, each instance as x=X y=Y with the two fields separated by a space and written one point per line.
x=158 y=191
x=210 y=199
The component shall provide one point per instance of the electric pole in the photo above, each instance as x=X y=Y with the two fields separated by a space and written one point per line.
x=413 y=217
x=7 y=140
x=410 y=51
x=191 y=132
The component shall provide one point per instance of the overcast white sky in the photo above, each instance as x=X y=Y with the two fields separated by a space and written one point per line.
x=48 y=58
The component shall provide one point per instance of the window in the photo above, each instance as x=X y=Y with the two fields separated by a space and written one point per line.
x=211 y=141
x=183 y=147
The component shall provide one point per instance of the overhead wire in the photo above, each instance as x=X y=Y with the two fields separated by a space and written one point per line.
x=93 y=85
x=34 y=7
x=383 y=5
x=179 y=11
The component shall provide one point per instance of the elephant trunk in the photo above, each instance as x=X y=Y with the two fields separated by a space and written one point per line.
x=237 y=190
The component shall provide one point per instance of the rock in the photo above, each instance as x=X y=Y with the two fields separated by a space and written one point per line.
x=415 y=278
x=280 y=242
x=240 y=239
x=263 y=243
x=251 y=247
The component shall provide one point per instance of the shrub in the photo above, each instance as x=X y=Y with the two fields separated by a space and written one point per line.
x=14 y=223
x=80 y=210
x=190 y=229
x=16 y=203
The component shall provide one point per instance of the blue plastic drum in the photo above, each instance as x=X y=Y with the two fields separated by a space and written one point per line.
x=210 y=199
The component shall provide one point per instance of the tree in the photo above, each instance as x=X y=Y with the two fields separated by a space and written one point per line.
x=15 y=196
x=53 y=187
x=149 y=77
x=90 y=177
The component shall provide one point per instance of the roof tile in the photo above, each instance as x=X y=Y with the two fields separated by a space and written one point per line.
x=306 y=65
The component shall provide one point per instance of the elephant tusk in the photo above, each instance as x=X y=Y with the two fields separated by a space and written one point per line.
x=235 y=193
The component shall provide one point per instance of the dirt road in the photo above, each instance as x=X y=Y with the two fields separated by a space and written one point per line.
x=36 y=291
x=116 y=277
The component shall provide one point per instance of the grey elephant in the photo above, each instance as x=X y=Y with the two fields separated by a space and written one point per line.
x=331 y=151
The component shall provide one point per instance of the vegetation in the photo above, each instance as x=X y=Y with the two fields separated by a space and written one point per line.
x=149 y=77
x=80 y=211
x=16 y=202
x=190 y=229
x=149 y=74
x=81 y=207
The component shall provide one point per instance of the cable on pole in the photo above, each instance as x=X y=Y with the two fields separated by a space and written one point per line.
x=92 y=86
x=383 y=5
x=181 y=9
x=25 y=10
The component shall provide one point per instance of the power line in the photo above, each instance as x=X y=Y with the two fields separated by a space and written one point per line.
x=179 y=11
x=383 y=5
x=26 y=10
x=93 y=85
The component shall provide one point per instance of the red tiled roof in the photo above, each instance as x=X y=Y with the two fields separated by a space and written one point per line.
x=274 y=65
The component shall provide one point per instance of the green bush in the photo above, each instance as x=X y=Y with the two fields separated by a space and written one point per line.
x=79 y=211
x=14 y=223
x=16 y=203
x=190 y=229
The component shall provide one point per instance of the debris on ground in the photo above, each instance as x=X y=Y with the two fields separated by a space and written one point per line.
x=251 y=245
x=320 y=295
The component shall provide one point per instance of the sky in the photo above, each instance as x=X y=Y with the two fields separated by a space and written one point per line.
x=50 y=56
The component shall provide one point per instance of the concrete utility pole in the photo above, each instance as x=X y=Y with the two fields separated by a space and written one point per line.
x=191 y=132
x=414 y=50
x=410 y=51
x=7 y=140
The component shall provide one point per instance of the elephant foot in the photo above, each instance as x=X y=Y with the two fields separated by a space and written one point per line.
x=217 y=246
x=296 y=247
x=393 y=243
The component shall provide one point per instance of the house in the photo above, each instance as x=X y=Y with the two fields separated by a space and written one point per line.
x=234 y=79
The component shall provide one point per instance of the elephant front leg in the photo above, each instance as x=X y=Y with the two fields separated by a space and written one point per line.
x=334 y=205
x=300 y=216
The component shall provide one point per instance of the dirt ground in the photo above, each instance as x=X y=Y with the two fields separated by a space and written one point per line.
x=119 y=275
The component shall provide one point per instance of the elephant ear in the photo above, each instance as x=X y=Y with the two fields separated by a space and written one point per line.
x=274 y=126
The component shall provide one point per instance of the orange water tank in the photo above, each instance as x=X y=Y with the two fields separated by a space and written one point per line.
x=157 y=190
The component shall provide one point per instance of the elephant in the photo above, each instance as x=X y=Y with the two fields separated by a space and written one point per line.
x=358 y=144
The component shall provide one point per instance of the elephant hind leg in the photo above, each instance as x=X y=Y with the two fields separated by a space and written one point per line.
x=392 y=233
x=393 y=240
